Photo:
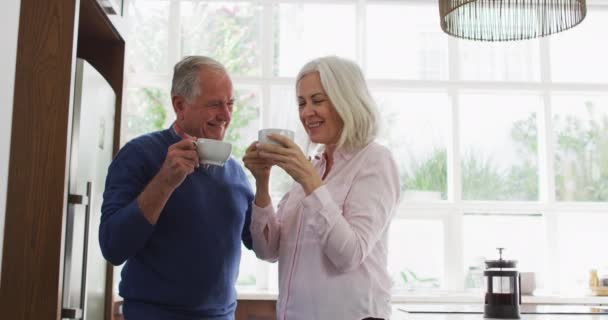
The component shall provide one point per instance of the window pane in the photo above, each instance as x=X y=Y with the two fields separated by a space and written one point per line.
x=308 y=31
x=576 y=55
x=415 y=254
x=405 y=42
x=483 y=233
x=499 y=61
x=499 y=146
x=248 y=269
x=244 y=124
x=146 y=110
x=415 y=126
x=581 y=243
x=226 y=31
x=284 y=114
x=581 y=145
x=148 y=35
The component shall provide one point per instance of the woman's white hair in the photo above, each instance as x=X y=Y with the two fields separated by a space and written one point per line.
x=185 y=75
x=347 y=90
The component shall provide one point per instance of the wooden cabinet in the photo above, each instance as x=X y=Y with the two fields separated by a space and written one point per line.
x=256 y=310
x=51 y=35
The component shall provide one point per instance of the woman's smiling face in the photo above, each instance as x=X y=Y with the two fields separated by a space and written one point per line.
x=317 y=113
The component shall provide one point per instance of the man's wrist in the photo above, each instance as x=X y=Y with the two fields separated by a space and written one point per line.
x=162 y=183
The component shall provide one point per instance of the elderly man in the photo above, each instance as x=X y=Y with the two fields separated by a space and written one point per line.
x=178 y=225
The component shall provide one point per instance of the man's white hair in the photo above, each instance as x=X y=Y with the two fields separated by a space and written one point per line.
x=185 y=75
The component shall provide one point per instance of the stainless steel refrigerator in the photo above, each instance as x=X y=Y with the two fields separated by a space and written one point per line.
x=84 y=278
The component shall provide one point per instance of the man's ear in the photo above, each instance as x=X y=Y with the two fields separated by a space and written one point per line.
x=178 y=106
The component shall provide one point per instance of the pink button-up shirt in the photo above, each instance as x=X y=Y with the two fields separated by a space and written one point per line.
x=332 y=244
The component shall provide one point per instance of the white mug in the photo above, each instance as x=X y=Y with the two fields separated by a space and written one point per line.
x=263 y=135
x=213 y=152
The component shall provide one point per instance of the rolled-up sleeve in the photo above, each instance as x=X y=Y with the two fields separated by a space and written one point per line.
x=349 y=233
x=123 y=229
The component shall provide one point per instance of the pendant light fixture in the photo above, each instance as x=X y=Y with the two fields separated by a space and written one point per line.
x=505 y=20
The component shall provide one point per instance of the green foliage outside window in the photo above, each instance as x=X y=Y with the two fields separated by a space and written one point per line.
x=428 y=175
x=581 y=164
x=243 y=113
x=223 y=33
x=145 y=113
x=582 y=157
x=411 y=281
x=226 y=33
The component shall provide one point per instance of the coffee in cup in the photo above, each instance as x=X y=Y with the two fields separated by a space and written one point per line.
x=212 y=151
x=263 y=135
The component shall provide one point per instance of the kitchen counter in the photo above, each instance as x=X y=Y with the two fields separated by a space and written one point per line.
x=246 y=293
x=453 y=316
x=475 y=311
x=261 y=303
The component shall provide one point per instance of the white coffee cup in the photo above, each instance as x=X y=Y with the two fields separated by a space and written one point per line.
x=263 y=135
x=213 y=152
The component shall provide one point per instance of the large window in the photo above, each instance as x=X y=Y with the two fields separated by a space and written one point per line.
x=498 y=144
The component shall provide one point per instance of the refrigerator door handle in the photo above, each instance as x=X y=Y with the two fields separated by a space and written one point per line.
x=78 y=199
x=69 y=313
x=85 y=253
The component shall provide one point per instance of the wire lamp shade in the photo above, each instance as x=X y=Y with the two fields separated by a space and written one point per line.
x=505 y=20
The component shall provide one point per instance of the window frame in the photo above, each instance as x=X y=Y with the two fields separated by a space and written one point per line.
x=452 y=210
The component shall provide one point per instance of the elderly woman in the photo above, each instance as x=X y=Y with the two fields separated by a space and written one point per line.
x=330 y=231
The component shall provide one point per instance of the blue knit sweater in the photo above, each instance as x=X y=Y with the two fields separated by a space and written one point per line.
x=185 y=266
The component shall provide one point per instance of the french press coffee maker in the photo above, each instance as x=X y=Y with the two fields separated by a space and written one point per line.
x=502 y=282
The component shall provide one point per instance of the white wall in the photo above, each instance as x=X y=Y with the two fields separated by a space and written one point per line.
x=9 y=27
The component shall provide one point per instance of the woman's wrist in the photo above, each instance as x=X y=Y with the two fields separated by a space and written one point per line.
x=311 y=184
x=261 y=184
x=262 y=199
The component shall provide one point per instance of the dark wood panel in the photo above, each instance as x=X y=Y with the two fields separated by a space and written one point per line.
x=33 y=252
x=256 y=310
x=33 y=236
x=95 y=24
x=101 y=44
x=106 y=57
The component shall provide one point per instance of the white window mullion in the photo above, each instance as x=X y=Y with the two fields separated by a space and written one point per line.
x=546 y=143
x=546 y=152
x=267 y=52
x=454 y=170
x=174 y=42
x=265 y=275
x=453 y=153
x=454 y=251
x=553 y=267
x=267 y=31
x=361 y=39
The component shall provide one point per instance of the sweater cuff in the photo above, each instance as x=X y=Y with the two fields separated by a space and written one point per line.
x=260 y=217
x=135 y=222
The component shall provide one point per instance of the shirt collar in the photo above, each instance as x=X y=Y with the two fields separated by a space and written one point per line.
x=341 y=154
x=178 y=131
